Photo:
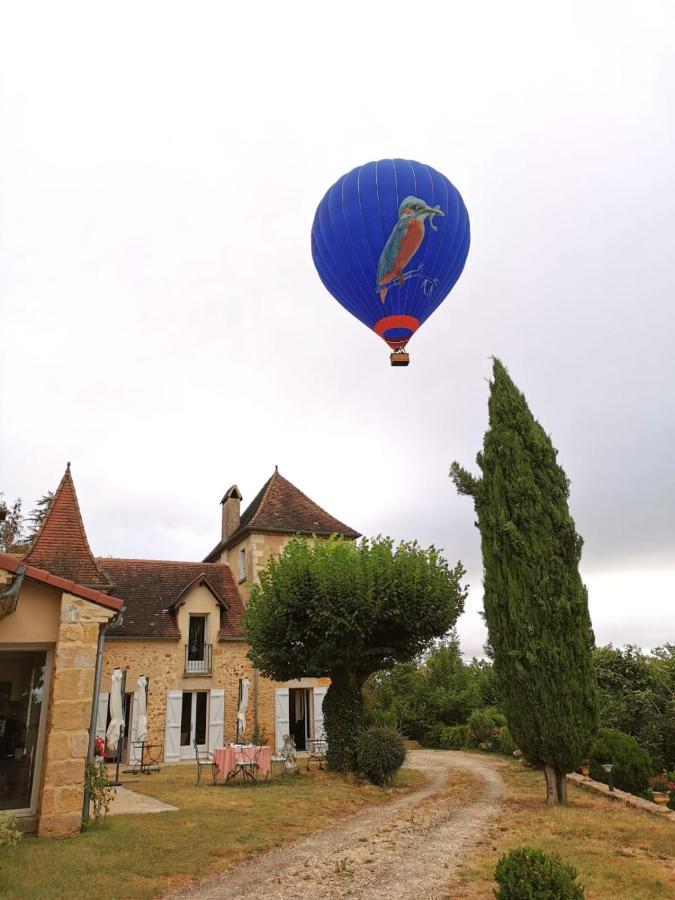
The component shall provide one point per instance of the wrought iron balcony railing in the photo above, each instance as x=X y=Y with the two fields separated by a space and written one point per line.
x=197 y=659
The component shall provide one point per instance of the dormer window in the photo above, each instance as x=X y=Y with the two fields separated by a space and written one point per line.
x=242 y=564
x=198 y=649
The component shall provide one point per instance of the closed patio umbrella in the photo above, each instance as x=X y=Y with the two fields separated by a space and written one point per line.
x=116 y=710
x=243 y=704
x=141 y=708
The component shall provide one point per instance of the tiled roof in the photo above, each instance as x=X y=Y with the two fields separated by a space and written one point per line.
x=152 y=588
x=282 y=508
x=61 y=544
x=10 y=562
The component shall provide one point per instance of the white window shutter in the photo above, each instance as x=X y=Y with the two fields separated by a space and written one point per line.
x=134 y=752
x=281 y=716
x=174 y=708
x=216 y=718
x=319 y=694
x=102 y=714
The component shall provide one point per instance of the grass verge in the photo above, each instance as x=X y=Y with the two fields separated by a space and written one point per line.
x=142 y=856
x=618 y=852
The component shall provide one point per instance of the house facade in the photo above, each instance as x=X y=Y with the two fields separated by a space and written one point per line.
x=49 y=637
x=180 y=625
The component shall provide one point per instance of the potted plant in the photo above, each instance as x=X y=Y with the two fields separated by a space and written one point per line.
x=661 y=787
x=99 y=747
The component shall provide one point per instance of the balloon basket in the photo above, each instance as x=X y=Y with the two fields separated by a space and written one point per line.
x=399 y=358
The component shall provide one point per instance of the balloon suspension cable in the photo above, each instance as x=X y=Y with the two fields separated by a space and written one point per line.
x=428 y=284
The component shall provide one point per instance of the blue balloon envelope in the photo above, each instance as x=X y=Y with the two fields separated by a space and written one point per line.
x=389 y=241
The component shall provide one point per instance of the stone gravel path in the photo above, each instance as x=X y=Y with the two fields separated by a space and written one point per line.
x=405 y=849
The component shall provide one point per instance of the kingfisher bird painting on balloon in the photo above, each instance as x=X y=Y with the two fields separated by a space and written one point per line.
x=374 y=254
x=404 y=242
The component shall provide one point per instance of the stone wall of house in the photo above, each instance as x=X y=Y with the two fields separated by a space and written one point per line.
x=60 y=807
x=163 y=663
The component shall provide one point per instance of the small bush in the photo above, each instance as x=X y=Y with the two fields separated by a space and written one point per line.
x=504 y=742
x=433 y=736
x=632 y=765
x=484 y=724
x=380 y=753
x=9 y=834
x=381 y=718
x=530 y=874
x=100 y=791
x=455 y=737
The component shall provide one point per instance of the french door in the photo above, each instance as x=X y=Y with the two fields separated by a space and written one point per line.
x=193 y=722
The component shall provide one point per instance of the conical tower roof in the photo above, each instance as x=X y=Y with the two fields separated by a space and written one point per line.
x=61 y=544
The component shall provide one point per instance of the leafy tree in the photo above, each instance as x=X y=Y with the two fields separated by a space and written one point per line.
x=536 y=606
x=435 y=692
x=344 y=610
x=637 y=696
x=37 y=515
x=12 y=538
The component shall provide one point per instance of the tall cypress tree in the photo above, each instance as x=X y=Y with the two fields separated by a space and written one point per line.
x=536 y=606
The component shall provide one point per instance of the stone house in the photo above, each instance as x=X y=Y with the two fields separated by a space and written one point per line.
x=181 y=626
x=49 y=635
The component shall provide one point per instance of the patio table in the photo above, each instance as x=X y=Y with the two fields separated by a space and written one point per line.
x=227 y=759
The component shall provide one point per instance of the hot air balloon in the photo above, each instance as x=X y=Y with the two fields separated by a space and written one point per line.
x=389 y=241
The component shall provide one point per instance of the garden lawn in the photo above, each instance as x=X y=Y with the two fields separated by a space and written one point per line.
x=141 y=856
x=618 y=852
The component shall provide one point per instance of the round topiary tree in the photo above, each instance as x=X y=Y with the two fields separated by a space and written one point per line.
x=536 y=606
x=380 y=753
x=530 y=874
x=344 y=610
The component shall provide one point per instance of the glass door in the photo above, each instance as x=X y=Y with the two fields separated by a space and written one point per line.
x=22 y=692
x=193 y=722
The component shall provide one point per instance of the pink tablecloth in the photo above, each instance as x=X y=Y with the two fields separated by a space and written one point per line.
x=226 y=758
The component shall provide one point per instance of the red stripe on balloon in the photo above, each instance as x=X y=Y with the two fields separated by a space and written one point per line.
x=388 y=322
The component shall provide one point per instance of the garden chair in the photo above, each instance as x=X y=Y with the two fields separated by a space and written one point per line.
x=246 y=764
x=316 y=749
x=286 y=756
x=205 y=760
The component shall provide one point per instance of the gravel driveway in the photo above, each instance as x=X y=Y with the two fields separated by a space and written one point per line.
x=405 y=849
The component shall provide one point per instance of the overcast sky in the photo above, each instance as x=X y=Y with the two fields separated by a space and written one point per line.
x=163 y=326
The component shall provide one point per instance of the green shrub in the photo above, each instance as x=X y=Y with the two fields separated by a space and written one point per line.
x=632 y=765
x=100 y=792
x=504 y=742
x=433 y=736
x=380 y=753
x=484 y=725
x=530 y=874
x=455 y=737
x=9 y=834
x=381 y=718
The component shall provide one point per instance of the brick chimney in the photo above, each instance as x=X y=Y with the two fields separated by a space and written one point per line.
x=231 y=511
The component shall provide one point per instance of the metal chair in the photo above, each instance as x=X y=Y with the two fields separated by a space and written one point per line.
x=205 y=760
x=316 y=749
x=286 y=756
x=246 y=764
x=146 y=758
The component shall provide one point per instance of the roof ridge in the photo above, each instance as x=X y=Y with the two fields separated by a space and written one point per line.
x=164 y=562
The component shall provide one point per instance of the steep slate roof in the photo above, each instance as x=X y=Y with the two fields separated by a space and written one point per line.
x=10 y=562
x=153 y=588
x=61 y=544
x=280 y=507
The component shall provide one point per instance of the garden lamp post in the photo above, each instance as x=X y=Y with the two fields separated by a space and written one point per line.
x=608 y=768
